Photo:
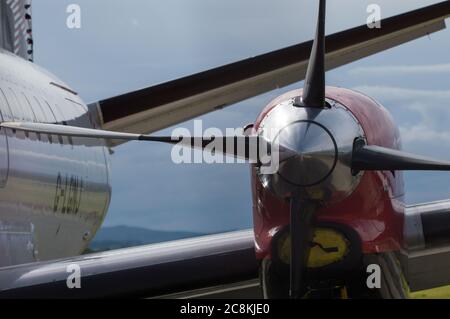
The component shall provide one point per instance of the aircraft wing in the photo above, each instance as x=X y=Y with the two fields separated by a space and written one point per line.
x=145 y=271
x=426 y=231
x=161 y=106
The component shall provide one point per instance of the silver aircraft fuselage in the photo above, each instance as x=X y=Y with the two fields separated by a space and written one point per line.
x=54 y=191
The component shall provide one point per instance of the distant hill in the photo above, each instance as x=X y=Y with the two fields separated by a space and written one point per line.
x=117 y=237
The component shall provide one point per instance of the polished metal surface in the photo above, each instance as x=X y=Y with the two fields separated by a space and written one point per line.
x=318 y=144
x=144 y=270
x=314 y=153
x=413 y=230
x=426 y=262
x=54 y=191
x=426 y=225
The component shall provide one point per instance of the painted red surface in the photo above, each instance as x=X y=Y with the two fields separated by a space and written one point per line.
x=374 y=210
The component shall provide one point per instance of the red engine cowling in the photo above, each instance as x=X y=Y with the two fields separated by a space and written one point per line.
x=374 y=210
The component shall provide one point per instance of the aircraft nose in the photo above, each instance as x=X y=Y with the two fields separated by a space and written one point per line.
x=312 y=153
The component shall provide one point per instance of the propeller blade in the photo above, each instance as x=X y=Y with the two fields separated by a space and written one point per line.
x=302 y=232
x=314 y=88
x=67 y=130
x=245 y=147
x=376 y=158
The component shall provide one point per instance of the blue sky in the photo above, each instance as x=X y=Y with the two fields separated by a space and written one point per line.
x=126 y=45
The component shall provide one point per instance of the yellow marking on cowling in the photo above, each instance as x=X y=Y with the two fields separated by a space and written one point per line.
x=324 y=239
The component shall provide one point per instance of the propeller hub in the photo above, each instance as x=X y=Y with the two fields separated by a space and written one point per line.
x=312 y=153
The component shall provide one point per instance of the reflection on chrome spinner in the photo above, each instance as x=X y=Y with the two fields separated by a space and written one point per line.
x=322 y=141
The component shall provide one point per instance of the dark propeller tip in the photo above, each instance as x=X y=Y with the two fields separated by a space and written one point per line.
x=314 y=88
x=377 y=158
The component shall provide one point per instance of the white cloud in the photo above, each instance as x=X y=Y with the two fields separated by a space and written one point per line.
x=397 y=93
x=401 y=70
x=423 y=133
x=431 y=106
x=423 y=115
